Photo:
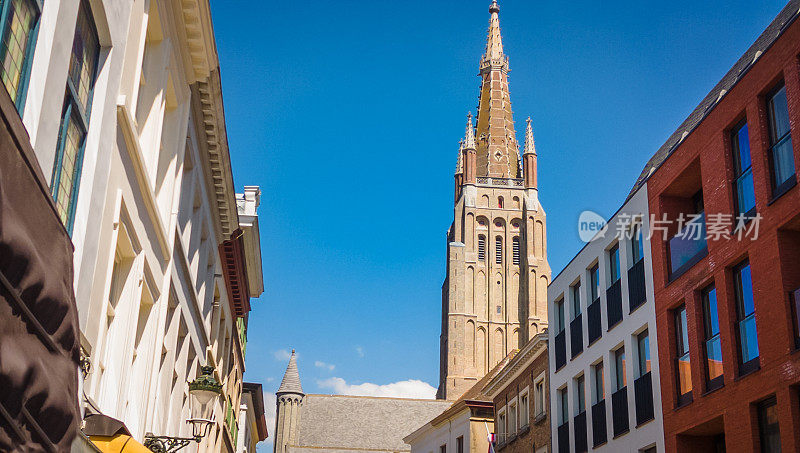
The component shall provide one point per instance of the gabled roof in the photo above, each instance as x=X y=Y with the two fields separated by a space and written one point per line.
x=742 y=66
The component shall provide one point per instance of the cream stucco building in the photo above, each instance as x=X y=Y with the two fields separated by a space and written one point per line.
x=494 y=296
x=123 y=107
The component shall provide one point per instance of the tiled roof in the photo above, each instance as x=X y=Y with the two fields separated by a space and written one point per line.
x=767 y=38
x=359 y=423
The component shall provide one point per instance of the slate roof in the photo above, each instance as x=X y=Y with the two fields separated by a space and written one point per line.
x=291 y=379
x=767 y=38
x=338 y=423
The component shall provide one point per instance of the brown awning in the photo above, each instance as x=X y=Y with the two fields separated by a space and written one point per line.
x=39 y=349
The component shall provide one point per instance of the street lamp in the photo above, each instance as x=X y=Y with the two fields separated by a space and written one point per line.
x=203 y=393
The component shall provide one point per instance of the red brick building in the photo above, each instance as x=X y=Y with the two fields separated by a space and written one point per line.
x=725 y=299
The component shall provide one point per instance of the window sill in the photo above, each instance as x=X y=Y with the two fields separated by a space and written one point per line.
x=636 y=307
x=747 y=371
x=714 y=385
x=782 y=190
x=645 y=422
x=684 y=400
x=524 y=430
x=617 y=436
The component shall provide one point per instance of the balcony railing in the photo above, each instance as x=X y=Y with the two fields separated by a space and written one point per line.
x=576 y=336
x=563 y=438
x=599 y=430
x=643 y=390
x=579 y=431
x=595 y=322
x=561 y=349
x=688 y=246
x=637 y=292
x=619 y=411
x=614 y=304
x=500 y=182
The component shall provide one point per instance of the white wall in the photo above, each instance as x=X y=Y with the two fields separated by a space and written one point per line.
x=143 y=203
x=623 y=333
x=429 y=438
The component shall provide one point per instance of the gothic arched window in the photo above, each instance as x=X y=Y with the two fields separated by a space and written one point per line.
x=498 y=252
x=481 y=247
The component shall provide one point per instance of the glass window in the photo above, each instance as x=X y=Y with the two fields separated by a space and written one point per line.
x=745 y=308
x=637 y=247
x=523 y=409
x=599 y=383
x=20 y=19
x=780 y=138
x=498 y=250
x=75 y=115
x=619 y=362
x=460 y=444
x=613 y=263
x=443 y=449
x=512 y=418
x=594 y=282
x=539 y=397
x=768 y=426
x=576 y=300
x=580 y=395
x=559 y=315
x=643 y=342
x=713 y=346
x=684 y=370
x=564 y=400
x=795 y=299
x=742 y=171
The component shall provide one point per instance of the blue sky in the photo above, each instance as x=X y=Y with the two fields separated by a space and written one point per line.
x=348 y=115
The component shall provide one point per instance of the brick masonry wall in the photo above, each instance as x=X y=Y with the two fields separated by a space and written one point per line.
x=774 y=259
x=538 y=435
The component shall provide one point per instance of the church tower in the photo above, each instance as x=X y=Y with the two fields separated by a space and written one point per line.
x=289 y=400
x=494 y=297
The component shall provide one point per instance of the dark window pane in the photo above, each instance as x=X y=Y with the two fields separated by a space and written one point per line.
x=781 y=153
x=564 y=405
x=580 y=394
x=643 y=341
x=740 y=142
x=599 y=382
x=594 y=282
x=576 y=300
x=687 y=244
x=745 y=193
x=769 y=427
x=637 y=247
x=684 y=371
x=744 y=290
x=559 y=315
x=710 y=311
x=796 y=313
x=613 y=258
x=619 y=358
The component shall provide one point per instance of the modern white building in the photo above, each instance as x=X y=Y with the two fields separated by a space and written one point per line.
x=604 y=379
x=122 y=103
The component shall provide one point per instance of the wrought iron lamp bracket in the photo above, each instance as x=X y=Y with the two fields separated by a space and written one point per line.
x=166 y=444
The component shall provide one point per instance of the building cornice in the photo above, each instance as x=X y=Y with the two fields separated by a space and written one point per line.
x=209 y=116
x=197 y=33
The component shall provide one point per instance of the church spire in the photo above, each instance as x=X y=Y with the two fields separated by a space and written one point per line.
x=494 y=43
x=530 y=146
x=469 y=135
x=291 y=379
x=497 y=151
x=460 y=160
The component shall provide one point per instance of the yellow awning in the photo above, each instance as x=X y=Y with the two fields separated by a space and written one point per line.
x=120 y=443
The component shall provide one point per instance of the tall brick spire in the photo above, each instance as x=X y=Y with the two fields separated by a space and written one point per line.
x=497 y=148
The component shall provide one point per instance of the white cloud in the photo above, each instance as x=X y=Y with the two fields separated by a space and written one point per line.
x=282 y=355
x=269 y=408
x=324 y=365
x=411 y=388
x=269 y=379
x=360 y=351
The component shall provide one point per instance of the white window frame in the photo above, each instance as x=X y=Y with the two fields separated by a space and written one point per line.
x=540 y=399
x=523 y=420
x=512 y=408
x=501 y=425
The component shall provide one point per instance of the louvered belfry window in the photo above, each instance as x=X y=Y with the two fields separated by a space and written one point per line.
x=515 y=245
x=481 y=248
x=498 y=250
